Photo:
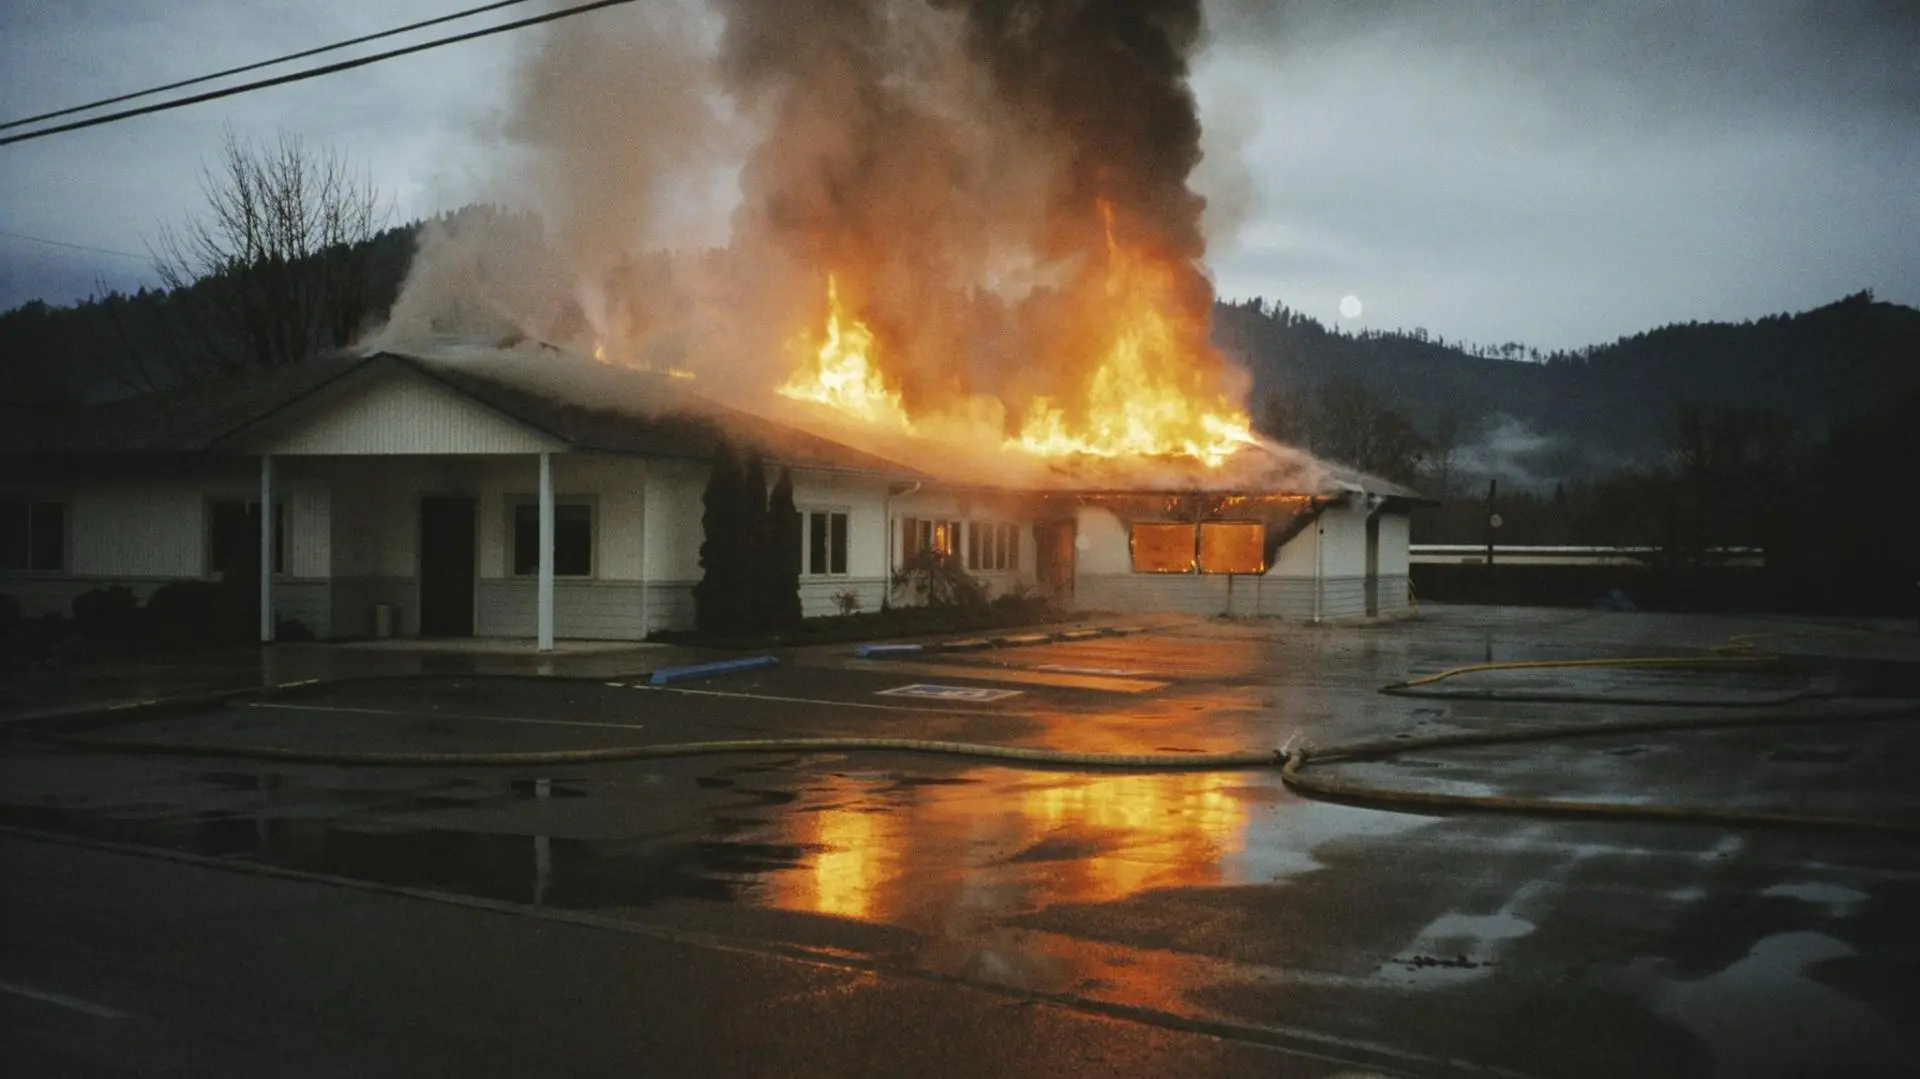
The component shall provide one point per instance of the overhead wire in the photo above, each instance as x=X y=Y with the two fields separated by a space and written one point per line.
x=276 y=61
x=311 y=73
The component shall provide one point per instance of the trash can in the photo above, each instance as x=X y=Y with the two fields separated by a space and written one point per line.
x=383 y=620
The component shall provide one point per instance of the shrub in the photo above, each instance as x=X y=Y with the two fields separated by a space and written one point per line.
x=189 y=613
x=846 y=601
x=939 y=580
x=108 y=619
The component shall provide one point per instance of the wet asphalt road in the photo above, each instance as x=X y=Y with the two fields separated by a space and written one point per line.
x=892 y=914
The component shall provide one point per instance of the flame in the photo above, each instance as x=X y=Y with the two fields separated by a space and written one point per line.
x=1134 y=402
x=1149 y=396
x=843 y=373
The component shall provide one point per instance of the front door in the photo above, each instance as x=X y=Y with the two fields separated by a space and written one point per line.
x=1053 y=564
x=447 y=565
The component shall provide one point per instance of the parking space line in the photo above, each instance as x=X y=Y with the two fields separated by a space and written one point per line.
x=443 y=715
x=826 y=701
x=61 y=1000
x=1016 y=675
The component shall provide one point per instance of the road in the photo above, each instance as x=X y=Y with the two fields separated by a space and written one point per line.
x=842 y=913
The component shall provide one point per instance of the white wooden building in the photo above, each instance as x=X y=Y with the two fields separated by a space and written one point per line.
x=538 y=495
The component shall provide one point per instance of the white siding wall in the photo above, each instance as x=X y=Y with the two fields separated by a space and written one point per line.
x=148 y=528
x=403 y=413
x=864 y=501
x=1331 y=551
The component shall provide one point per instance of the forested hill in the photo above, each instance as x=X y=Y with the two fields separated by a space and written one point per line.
x=1603 y=405
x=1855 y=355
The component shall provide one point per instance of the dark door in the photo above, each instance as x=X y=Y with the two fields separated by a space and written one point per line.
x=446 y=567
x=1053 y=562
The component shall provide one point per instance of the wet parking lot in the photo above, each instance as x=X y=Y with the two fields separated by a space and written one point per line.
x=1192 y=920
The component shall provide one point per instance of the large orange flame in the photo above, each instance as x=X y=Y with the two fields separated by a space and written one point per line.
x=1141 y=400
x=842 y=372
x=1154 y=392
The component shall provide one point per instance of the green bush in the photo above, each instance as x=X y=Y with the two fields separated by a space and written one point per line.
x=108 y=620
x=186 y=614
x=938 y=580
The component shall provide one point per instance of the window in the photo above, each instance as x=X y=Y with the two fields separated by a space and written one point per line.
x=826 y=543
x=1233 y=547
x=33 y=535
x=572 y=539
x=993 y=547
x=920 y=534
x=233 y=538
x=1163 y=548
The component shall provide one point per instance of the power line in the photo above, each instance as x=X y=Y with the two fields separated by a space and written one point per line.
x=310 y=73
x=243 y=69
x=76 y=247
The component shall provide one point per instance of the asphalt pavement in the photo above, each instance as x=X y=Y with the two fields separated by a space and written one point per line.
x=889 y=913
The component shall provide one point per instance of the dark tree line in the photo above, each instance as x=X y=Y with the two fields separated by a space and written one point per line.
x=1823 y=510
x=750 y=548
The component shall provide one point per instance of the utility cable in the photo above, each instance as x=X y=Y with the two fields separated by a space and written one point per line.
x=244 y=68
x=311 y=73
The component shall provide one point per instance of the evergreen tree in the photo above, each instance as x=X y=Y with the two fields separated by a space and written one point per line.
x=783 y=557
x=756 y=606
x=724 y=550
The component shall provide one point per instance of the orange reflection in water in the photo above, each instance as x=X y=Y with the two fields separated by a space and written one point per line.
x=923 y=855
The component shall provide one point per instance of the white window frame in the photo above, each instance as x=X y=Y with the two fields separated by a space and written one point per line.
x=806 y=541
x=978 y=531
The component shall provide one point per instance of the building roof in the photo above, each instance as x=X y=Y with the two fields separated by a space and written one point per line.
x=588 y=406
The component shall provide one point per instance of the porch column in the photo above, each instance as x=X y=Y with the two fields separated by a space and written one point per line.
x=545 y=614
x=267 y=548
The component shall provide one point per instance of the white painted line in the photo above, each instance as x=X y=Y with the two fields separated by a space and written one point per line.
x=825 y=701
x=970 y=694
x=444 y=715
x=61 y=1000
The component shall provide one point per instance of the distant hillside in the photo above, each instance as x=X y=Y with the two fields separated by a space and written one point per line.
x=1573 y=412
x=1610 y=401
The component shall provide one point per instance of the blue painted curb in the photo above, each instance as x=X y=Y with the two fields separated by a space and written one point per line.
x=665 y=675
x=881 y=651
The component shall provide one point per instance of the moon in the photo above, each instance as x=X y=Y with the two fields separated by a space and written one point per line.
x=1350 y=306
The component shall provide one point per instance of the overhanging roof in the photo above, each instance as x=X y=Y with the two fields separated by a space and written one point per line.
x=582 y=405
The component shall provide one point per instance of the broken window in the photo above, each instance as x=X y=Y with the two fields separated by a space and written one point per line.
x=572 y=539
x=993 y=547
x=233 y=538
x=826 y=543
x=1233 y=547
x=1162 y=548
x=33 y=535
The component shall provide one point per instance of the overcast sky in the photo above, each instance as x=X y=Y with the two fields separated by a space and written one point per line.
x=1554 y=173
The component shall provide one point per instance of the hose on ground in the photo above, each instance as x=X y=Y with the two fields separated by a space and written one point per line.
x=607 y=754
x=1292 y=765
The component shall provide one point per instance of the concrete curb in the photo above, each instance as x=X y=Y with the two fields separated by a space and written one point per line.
x=882 y=651
x=668 y=675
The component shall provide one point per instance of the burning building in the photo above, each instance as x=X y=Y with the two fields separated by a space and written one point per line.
x=961 y=293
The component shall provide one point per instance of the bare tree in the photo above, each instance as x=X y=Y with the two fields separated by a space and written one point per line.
x=277 y=267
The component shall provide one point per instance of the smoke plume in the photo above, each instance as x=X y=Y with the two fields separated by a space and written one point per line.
x=999 y=190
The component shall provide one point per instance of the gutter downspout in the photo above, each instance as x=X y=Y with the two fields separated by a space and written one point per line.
x=1319 y=560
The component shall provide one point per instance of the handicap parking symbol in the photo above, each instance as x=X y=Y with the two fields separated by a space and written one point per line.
x=970 y=694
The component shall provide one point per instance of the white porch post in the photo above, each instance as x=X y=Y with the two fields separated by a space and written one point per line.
x=267 y=548
x=546 y=553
